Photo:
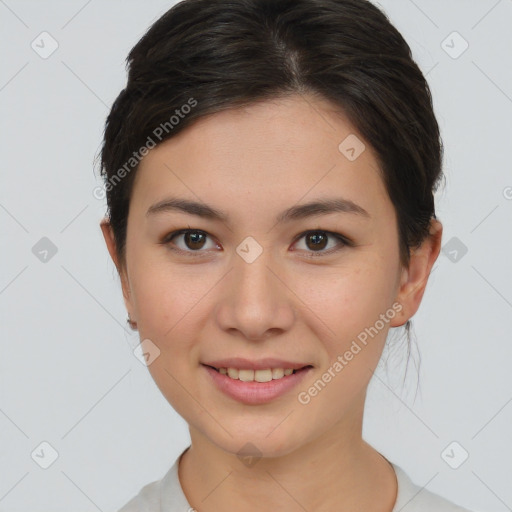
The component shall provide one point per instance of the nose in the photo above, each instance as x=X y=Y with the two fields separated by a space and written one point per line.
x=256 y=302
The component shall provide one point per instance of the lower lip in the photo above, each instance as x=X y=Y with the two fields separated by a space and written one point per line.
x=255 y=393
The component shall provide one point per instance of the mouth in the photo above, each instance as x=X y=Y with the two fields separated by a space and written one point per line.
x=263 y=375
x=256 y=386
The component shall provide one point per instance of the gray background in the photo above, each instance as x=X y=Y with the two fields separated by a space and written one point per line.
x=68 y=375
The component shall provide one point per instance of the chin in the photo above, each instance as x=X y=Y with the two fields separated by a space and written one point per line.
x=255 y=443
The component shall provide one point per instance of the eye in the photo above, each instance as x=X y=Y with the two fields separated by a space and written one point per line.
x=316 y=241
x=192 y=241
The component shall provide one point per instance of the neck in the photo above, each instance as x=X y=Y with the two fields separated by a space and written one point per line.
x=337 y=471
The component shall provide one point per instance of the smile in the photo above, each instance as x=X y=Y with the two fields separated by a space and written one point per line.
x=265 y=375
x=255 y=387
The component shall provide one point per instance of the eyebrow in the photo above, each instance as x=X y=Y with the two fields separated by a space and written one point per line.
x=302 y=211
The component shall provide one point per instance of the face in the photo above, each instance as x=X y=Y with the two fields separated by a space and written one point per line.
x=259 y=276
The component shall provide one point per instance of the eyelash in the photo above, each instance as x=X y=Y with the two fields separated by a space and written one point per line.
x=343 y=242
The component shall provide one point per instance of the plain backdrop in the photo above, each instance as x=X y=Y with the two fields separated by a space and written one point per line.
x=68 y=375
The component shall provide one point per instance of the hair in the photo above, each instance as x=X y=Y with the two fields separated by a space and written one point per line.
x=205 y=56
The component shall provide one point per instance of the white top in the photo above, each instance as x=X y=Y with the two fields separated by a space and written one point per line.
x=166 y=495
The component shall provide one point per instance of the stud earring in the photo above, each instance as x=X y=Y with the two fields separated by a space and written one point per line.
x=131 y=323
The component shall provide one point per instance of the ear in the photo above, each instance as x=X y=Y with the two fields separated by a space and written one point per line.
x=414 y=278
x=108 y=235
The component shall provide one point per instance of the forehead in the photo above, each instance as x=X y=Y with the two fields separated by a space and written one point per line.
x=274 y=151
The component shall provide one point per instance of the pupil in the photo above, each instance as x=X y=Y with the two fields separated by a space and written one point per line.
x=194 y=238
x=317 y=240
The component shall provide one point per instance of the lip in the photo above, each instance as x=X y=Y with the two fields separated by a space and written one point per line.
x=256 y=393
x=262 y=364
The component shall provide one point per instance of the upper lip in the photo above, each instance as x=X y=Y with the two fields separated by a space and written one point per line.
x=261 y=364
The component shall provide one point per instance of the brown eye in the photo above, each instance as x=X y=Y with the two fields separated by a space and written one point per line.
x=189 y=241
x=316 y=240
x=194 y=240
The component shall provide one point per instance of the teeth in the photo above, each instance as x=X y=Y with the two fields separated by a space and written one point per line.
x=263 y=375
x=245 y=375
x=256 y=375
x=277 y=373
x=233 y=373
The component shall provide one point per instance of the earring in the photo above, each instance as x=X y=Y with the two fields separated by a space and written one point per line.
x=131 y=323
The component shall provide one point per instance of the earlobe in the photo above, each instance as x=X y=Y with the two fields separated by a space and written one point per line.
x=414 y=278
x=401 y=316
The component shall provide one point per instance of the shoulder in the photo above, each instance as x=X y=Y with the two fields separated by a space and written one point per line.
x=147 y=500
x=164 y=494
x=413 y=498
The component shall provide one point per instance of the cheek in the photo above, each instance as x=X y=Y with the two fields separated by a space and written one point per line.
x=351 y=307
x=347 y=300
x=165 y=295
x=169 y=311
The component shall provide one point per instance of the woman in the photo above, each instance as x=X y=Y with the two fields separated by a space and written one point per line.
x=270 y=170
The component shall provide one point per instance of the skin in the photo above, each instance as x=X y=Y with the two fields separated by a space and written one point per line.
x=253 y=163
